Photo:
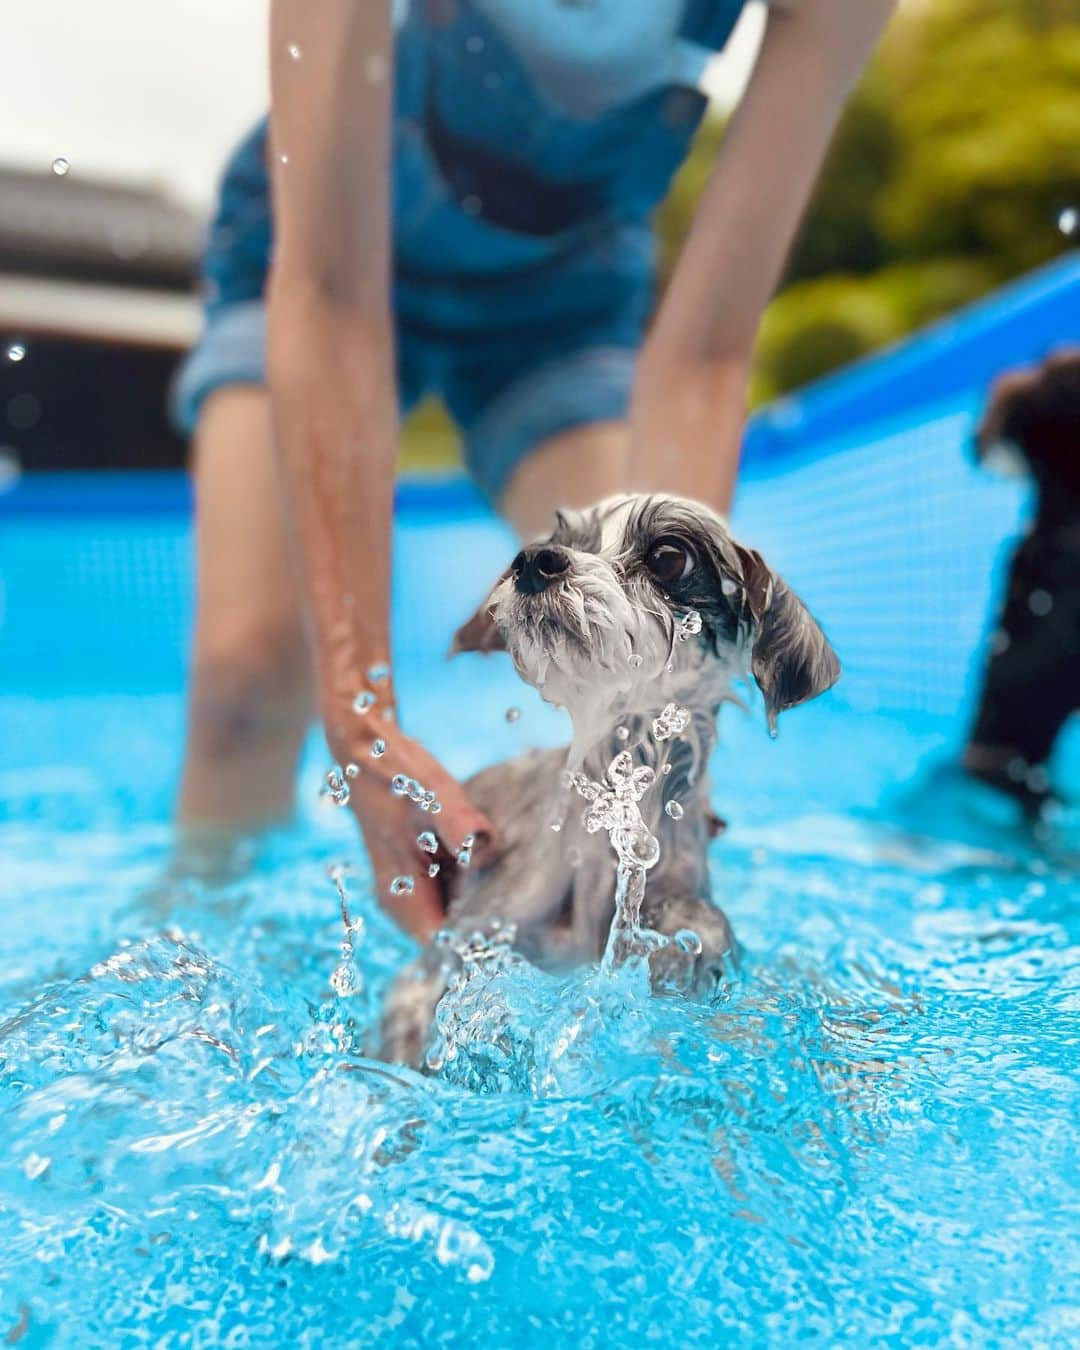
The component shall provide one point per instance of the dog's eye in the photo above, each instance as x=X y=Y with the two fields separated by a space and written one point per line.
x=669 y=561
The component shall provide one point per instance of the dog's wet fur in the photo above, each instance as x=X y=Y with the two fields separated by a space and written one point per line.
x=591 y=617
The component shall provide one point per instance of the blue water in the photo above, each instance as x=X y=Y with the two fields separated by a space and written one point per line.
x=870 y=1139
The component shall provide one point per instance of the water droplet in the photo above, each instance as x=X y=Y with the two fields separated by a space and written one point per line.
x=689 y=625
x=728 y=586
x=1040 y=603
x=16 y=352
x=666 y=769
x=399 y=784
x=433 y=869
x=378 y=749
x=378 y=673
x=556 y=826
x=1000 y=642
x=1017 y=768
x=61 y=167
x=336 y=787
x=688 y=941
x=402 y=886
x=435 y=807
x=294 y=51
x=1037 y=779
x=34 y=1166
x=637 y=845
x=623 y=733
x=1068 y=221
x=363 y=702
x=636 y=660
x=428 y=842
x=674 y=810
x=351 y=770
x=672 y=721
x=512 y=714
x=283 y=158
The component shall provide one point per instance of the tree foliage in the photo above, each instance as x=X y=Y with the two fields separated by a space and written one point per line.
x=956 y=155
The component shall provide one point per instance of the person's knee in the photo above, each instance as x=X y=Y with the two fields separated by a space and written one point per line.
x=250 y=683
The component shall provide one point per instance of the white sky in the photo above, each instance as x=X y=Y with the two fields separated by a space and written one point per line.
x=159 y=90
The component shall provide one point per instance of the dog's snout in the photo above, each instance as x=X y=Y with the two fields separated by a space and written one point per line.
x=535 y=569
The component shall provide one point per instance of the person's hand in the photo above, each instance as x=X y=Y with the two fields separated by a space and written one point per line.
x=391 y=821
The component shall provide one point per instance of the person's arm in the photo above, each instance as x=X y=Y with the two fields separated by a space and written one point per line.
x=690 y=395
x=334 y=401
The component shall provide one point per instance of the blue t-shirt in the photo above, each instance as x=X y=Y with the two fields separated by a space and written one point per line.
x=523 y=129
x=541 y=115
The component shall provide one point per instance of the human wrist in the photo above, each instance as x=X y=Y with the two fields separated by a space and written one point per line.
x=357 y=707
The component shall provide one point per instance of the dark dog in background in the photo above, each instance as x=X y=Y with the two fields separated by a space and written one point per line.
x=637 y=617
x=1032 y=681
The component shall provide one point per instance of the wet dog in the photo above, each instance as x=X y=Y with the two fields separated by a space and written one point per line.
x=1031 y=685
x=638 y=617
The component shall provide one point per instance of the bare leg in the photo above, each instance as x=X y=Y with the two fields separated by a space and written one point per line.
x=250 y=697
x=576 y=468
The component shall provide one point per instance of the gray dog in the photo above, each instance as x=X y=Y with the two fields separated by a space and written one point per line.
x=636 y=616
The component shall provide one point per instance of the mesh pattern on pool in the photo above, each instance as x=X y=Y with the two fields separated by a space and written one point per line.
x=893 y=538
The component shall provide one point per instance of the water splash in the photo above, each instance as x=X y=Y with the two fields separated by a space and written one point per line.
x=671 y=722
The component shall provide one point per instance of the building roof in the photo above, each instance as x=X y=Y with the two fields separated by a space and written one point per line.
x=57 y=225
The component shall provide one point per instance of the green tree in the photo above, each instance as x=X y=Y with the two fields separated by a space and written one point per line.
x=947 y=175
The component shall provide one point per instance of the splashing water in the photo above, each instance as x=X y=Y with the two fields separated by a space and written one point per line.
x=401 y=785
x=464 y=853
x=335 y=788
x=671 y=722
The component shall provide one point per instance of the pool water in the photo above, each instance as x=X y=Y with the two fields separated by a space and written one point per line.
x=869 y=1138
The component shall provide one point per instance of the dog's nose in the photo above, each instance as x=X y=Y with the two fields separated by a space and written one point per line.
x=535 y=569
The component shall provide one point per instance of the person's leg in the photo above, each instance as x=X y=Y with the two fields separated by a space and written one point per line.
x=573 y=468
x=250 y=695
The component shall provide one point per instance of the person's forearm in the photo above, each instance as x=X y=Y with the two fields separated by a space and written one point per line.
x=331 y=375
x=698 y=353
x=335 y=423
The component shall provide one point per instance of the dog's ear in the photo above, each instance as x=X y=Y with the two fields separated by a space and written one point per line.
x=478 y=634
x=791 y=658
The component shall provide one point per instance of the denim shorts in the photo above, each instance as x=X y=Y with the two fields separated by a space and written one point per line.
x=515 y=359
x=523 y=252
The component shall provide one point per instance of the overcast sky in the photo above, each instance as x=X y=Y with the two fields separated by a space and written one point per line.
x=157 y=89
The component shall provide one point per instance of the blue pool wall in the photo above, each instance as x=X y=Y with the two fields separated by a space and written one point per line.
x=861 y=489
